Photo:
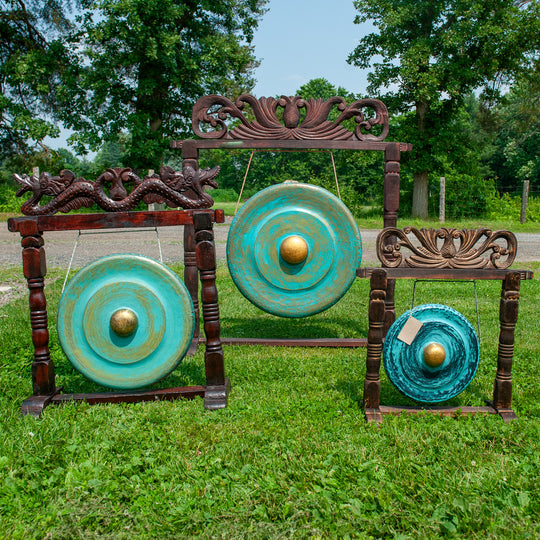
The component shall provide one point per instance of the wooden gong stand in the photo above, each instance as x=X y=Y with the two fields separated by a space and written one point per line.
x=290 y=133
x=381 y=314
x=31 y=229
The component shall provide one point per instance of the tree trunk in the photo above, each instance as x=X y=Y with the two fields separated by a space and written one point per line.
x=420 y=195
x=420 y=186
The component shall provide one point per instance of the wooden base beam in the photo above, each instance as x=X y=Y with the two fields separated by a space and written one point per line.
x=377 y=414
x=215 y=397
x=291 y=342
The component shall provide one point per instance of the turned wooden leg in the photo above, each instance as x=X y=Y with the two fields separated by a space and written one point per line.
x=217 y=385
x=35 y=270
x=372 y=383
x=392 y=156
x=508 y=314
x=191 y=279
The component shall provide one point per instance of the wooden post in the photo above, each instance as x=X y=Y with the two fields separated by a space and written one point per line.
x=372 y=382
x=216 y=385
x=524 y=198
x=508 y=314
x=392 y=157
x=442 y=200
x=35 y=171
x=35 y=269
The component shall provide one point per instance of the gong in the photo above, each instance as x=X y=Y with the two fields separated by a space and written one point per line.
x=431 y=353
x=293 y=249
x=125 y=321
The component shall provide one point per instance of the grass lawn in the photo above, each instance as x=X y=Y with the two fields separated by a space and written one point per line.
x=291 y=456
x=376 y=221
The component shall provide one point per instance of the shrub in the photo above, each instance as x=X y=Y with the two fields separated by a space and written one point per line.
x=507 y=207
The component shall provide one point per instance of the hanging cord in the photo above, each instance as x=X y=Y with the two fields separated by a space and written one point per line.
x=335 y=175
x=243 y=183
x=71 y=261
x=115 y=231
x=473 y=281
x=249 y=165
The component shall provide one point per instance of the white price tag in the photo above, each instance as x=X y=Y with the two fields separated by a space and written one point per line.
x=409 y=330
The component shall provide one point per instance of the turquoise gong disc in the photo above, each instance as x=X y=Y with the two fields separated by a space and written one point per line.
x=441 y=359
x=125 y=321
x=293 y=249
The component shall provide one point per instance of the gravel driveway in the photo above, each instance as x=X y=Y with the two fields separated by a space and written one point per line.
x=94 y=244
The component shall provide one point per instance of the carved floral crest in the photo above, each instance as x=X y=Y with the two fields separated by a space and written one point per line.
x=216 y=110
x=447 y=248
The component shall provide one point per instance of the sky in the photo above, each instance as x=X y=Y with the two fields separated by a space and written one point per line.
x=296 y=41
x=300 y=40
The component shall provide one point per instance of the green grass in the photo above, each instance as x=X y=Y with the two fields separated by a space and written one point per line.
x=370 y=221
x=291 y=456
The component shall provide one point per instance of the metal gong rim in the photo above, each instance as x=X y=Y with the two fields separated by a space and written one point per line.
x=125 y=321
x=442 y=359
x=293 y=249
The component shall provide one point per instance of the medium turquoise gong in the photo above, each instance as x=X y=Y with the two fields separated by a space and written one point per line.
x=125 y=321
x=293 y=249
x=441 y=359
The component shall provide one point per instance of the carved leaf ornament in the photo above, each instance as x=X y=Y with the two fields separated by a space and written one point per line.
x=447 y=248
x=217 y=112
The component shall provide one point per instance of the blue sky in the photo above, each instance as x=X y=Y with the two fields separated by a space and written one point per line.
x=299 y=40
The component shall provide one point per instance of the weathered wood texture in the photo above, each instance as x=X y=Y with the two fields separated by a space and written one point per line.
x=123 y=220
x=372 y=382
x=34 y=266
x=206 y=264
x=214 y=110
x=183 y=189
x=464 y=249
x=439 y=257
x=296 y=124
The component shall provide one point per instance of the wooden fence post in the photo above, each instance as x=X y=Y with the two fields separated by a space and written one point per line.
x=442 y=200
x=525 y=196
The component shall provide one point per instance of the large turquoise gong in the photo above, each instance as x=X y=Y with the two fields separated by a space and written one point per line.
x=442 y=356
x=125 y=321
x=293 y=249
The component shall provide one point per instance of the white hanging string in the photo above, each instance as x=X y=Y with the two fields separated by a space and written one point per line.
x=335 y=175
x=243 y=183
x=155 y=229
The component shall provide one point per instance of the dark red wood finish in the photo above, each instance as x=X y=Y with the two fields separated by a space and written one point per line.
x=289 y=132
x=34 y=266
x=379 y=316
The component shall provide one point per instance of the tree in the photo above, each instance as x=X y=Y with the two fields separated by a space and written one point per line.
x=143 y=64
x=430 y=55
x=517 y=155
x=31 y=58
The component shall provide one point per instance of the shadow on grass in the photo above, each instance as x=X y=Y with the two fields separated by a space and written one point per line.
x=269 y=327
x=189 y=372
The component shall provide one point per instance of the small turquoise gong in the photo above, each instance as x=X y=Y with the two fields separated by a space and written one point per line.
x=441 y=359
x=293 y=249
x=125 y=321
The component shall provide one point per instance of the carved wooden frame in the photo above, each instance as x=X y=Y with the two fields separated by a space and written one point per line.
x=292 y=123
x=45 y=392
x=430 y=260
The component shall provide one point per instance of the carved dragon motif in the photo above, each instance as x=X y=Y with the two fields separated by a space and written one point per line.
x=177 y=189
x=215 y=110
x=438 y=248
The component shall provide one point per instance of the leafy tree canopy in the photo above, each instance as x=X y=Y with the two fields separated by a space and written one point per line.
x=31 y=59
x=143 y=63
x=428 y=56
